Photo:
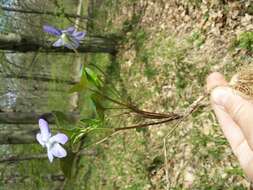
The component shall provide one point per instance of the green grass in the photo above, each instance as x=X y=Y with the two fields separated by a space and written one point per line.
x=245 y=41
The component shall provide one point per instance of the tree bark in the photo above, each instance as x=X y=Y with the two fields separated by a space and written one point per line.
x=20 y=132
x=15 y=135
x=38 y=78
x=32 y=117
x=32 y=11
x=20 y=158
x=18 y=43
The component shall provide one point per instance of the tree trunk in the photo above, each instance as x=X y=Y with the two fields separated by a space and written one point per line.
x=20 y=158
x=38 y=78
x=15 y=135
x=38 y=12
x=32 y=118
x=22 y=133
x=18 y=43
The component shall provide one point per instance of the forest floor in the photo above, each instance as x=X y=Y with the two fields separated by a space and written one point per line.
x=169 y=48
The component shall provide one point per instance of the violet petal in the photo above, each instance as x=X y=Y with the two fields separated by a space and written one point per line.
x=52 y=30
x=59 y=138
x=45 y=131
x=70 y=30
x=79 y=35
x=39 y=139
x=58 y=151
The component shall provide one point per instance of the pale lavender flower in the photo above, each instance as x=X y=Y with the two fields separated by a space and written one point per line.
x=69 y=38
x=52 y=143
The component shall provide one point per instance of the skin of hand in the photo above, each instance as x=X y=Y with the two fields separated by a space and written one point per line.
x=235 y=116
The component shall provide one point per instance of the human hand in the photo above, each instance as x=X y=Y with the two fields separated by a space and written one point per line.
x=235 y=115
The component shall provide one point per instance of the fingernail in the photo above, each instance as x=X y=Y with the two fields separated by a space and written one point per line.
x=215 y=79
x=220 y=96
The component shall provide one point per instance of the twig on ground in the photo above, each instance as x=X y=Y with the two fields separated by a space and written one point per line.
x=193 y=107
x=166 y=164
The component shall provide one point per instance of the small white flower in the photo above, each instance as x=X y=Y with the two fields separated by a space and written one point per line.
x=52 y=143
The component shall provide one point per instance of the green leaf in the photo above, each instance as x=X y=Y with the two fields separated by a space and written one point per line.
x=93 y=77
x=98 y=102
x=77 y=137
x=93 y=123
x=81 y=86
x=92 y=106
x=88 y=109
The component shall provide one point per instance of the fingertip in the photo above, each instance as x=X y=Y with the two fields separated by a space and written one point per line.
x=215 y=79
x=220 y=96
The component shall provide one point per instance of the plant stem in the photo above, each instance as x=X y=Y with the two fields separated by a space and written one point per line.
x=134 y=109
x=148 y=124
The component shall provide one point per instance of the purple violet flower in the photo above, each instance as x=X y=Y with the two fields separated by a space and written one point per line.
x=69 y=38
x=52 y=143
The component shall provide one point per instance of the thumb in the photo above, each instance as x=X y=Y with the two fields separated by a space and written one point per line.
x=239 y=109
x=235 y=115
